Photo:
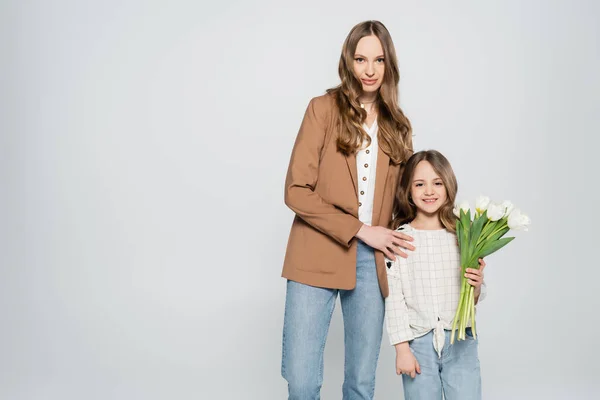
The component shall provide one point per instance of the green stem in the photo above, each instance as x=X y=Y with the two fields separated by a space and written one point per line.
x=473 y=313
x=458 y=313
x=484 y=232
x=465 y=316
x=472 y=304
x=468 y=309
x=502 y=226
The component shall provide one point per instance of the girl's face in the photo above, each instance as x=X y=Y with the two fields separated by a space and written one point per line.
x=369 y=64
x=427 y=189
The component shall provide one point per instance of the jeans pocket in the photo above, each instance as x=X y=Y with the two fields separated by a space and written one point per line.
x=469 y=333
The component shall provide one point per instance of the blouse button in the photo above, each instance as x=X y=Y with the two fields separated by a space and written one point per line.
x=359 y=204
x=368 y=151
x=366 y=165
x=362 y=192
x=364 y=178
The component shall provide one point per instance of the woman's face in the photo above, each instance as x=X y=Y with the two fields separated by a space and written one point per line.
x=369 y=65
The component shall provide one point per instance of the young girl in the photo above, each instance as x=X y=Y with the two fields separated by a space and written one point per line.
x=424 y=288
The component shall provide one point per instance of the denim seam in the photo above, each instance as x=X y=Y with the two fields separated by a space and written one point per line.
x=321 y=361
x=285 y=313
x=374 y=375
x=372 y=261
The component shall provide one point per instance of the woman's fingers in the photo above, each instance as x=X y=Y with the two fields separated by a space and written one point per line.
x=402 y=236
x=394 y=243
x=397 y=244
x=402 y=244
x=399 y=252
x=392 y=252
x=390 y=255
x=402 y=240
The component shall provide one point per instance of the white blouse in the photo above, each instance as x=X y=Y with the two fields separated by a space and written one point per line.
x=366 y=165
x=424 y=288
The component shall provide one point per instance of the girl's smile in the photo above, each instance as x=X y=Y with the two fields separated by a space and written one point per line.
x=427 y=191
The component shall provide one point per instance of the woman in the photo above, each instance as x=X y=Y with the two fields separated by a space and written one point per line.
x=341 y=183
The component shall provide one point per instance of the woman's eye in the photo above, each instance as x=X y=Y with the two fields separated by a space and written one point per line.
x=380 y=60
x=439 y=184
x=418 y=184
x=359 y=59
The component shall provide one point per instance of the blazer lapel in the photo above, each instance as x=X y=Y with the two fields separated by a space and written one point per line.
x=383 y=164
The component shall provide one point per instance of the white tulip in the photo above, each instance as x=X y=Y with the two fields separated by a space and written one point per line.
x=495 y=211
x=518 y=221
x=465 y=206
x=482 y=203
x=456 y=211
x=462 y=206
x=508 y=207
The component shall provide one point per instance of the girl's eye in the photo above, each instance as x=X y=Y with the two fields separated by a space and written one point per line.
x=380 y=60
x=359 y=59
x=439 y=184
x=418 y=184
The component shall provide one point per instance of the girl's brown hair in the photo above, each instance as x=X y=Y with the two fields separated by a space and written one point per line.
x=394 y=131
x=404 y=208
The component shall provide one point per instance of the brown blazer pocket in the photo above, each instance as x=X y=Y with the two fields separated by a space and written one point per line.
x=316 y=249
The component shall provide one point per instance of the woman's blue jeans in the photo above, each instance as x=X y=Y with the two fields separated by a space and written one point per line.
x=308 y=313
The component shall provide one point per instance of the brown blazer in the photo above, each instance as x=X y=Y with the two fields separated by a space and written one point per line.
x=321 y=188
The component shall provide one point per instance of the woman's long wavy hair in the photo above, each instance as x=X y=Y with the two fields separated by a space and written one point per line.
x=394 y=131
x=405 y=209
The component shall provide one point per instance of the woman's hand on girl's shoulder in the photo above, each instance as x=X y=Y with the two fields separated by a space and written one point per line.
x=386 y=240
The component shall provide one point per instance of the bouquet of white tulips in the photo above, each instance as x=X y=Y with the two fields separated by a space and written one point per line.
x=478 y=238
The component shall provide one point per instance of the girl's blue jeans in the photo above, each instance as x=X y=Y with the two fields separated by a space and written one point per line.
x=456 y=373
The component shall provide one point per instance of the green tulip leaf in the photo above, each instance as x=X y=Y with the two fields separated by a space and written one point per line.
x=494 y=246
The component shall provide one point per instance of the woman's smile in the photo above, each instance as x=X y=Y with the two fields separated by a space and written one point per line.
x=369 y=82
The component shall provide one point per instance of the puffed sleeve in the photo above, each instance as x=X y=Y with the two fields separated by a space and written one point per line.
x=396 y=312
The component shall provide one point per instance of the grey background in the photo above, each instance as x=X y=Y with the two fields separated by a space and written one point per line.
x=143 y=150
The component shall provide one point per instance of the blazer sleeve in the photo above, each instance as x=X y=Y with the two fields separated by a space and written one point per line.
x=300 y=195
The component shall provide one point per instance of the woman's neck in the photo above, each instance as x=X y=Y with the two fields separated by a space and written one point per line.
x=427 y=222
x=368 y=98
